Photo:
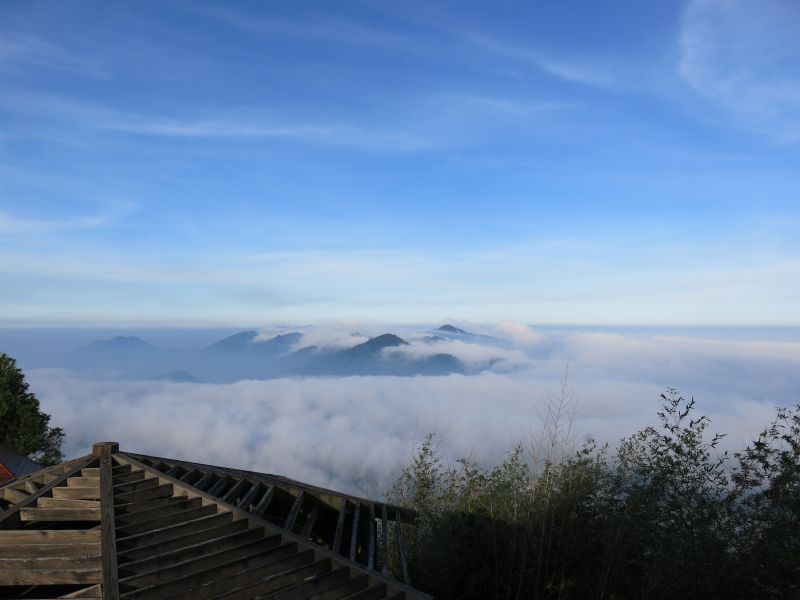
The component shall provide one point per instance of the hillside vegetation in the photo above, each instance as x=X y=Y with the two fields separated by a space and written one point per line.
x=664 y=515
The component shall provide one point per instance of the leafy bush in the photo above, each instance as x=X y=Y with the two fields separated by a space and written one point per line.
x=664 y=516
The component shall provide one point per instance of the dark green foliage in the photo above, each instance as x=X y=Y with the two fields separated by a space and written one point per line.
x=665 y=516
x=23 y=427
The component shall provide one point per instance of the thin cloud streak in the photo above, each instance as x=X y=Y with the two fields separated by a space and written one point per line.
x=743 y=57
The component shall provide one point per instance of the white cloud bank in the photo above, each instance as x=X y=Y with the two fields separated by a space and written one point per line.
x=354 y=433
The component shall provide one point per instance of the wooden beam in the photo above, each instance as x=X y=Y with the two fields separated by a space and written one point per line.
x=48 y=536
x=174 y=556
x=371 y=555
x=310 y=522
x=45 y=550
x=60 y=514
x=201 y=536
x=13 y=495
x=246 y=501
x=109 y=540
x=77 y=493
x=50 y=576
x=354 y=532
x=294 y=511
x=337 y=537
x=265 y=501
x=235 y=491
x=45 y=502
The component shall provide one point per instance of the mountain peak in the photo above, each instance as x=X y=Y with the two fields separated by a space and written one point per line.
x=451 y=329
x=235 y=341
x=376 y=344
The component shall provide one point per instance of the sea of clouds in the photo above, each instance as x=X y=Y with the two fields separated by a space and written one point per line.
x=355 y=433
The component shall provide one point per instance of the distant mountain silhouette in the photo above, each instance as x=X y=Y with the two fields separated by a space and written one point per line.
x=243 y=356
x=452 y=329
x=374 y=357
x=178 y=377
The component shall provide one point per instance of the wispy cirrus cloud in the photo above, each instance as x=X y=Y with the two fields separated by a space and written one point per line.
x=745 y=57
x=19 y=50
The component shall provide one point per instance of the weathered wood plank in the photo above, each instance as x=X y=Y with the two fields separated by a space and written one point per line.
x=164 y=574
x=200 y=580
x=83 y=482
x=253 y=583
x=162 y=491
x=90 y=472
x=51 y=576
x=294 y=511
x=128 y=477
x=13 y=495
x=132 y=486
x=10 y=517
x=74 y=549
x=337 y=536
x=354 y=532
x=46 y=502
x=132 y=508
x=174 y=531
x=48 y=536
x=172 y=557
x=246 y=501
x=162 y=521
x=265 y=501
x=110 y=574
x=159 y=511
x=77 y=493
x=371 y=555
x=310 y=522
x=236 y=490
x=196 y=537
x=49 y=563
x=59 y=514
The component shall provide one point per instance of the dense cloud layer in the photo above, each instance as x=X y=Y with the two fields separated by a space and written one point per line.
x=353 y=433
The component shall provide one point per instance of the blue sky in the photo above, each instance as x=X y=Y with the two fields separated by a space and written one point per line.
x=243 y=163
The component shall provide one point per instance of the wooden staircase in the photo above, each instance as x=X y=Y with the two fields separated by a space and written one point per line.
x=111 y=526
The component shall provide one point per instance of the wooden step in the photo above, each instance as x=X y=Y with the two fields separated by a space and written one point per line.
x=154 y=548
x=83 y=482
x=77 y=493
x=90 y=472
x=60 y=514
x=48 y=536
x=45 y=502
x=47 y=550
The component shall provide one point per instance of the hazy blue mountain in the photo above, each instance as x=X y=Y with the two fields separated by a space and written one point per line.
x=452 y=329
x=126 y=356
x=452 y=332
x=178 y=377
x=240 y=356
x=373 y=357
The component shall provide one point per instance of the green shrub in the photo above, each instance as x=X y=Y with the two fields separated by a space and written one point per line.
x=664 y=516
